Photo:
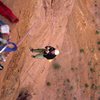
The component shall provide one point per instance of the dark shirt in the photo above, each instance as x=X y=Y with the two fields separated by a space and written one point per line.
x=49 y=55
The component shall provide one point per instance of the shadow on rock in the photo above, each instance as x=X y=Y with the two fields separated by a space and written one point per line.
x=24 y=95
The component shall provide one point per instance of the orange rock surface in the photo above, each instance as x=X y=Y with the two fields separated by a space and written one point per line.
x=69 y=25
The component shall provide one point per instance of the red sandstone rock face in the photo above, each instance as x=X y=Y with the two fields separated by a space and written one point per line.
x=69 y=25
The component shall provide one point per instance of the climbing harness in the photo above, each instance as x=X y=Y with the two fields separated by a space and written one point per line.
x=8 y=49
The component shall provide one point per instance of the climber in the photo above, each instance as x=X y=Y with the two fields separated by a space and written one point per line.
x=7 y=13
x=48 y=52
x=5 y=44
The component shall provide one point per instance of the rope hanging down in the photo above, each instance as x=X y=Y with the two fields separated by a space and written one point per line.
x=27 y=33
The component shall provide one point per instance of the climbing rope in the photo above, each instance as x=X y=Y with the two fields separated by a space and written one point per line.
x=27 y=33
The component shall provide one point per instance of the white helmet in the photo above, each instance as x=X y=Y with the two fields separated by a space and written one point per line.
x=57 y=52
x=5 y=29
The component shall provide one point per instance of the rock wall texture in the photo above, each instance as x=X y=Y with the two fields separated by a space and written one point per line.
x=73 y=26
